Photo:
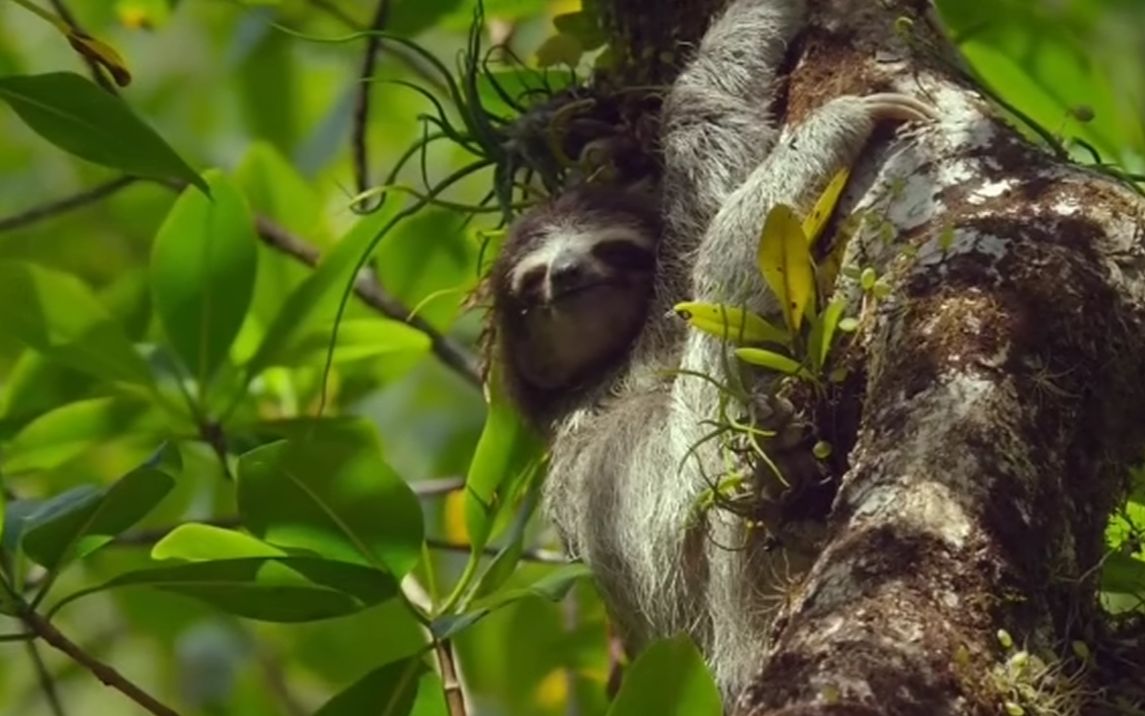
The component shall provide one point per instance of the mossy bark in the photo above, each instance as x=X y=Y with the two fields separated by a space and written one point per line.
x=1004 y=392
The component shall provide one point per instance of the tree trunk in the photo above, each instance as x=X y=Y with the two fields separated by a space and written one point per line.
x=1004 y=398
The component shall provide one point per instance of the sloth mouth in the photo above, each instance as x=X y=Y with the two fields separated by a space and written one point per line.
x=566 y=293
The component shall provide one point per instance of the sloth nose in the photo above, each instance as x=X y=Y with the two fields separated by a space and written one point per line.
x=566 y=273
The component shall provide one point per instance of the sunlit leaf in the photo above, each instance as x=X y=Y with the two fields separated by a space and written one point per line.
x=57 y=315
x=359 y=339
x=71 y=429
x=195 y=542
x=275 y=589
x=669 y=677
x=770 y=359
x=203 y=266
x=327 y=489
x=824 y=206
x=785 y=261
x=77 y=116
x=730 y=323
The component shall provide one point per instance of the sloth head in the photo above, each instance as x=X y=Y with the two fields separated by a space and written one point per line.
x=571 y=288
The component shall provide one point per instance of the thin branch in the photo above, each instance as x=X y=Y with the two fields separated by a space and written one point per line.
x=97 y=74
x=400 y=54
x=362 y=102
x=66 y=204
x=104 y=672
x=276 y=681
x=277 y=237
x=450 y=683
x=47 y=683
x=541 y=556
x=374 y=295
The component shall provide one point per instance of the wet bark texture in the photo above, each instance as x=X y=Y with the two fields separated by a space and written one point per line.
x=1004 y=398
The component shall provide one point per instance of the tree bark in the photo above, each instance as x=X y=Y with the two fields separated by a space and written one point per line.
x=1003 y=400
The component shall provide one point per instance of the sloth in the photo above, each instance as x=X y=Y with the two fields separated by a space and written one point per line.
x=582 y=296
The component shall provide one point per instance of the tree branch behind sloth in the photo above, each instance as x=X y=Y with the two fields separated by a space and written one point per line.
x=582 y=298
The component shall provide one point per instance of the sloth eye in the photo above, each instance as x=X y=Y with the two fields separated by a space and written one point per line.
x=623 y=255
x=531 y=283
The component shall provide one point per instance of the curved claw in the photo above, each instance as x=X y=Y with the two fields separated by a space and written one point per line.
x=897 y=106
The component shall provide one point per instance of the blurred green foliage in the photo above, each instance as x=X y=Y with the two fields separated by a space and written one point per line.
x=159 y=365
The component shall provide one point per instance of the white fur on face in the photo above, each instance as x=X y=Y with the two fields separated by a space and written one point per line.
x=576 y=240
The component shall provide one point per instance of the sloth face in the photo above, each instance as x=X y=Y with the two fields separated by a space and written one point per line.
x=572 y=286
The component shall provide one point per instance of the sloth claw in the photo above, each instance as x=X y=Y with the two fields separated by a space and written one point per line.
x=898 y=106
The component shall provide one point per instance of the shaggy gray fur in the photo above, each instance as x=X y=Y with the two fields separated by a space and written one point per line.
x=622 y=486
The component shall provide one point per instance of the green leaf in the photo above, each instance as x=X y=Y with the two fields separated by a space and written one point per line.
x=409 y=17
x=57 y=315
x=328 y=490
x=194 y=542
x=275 y=189
x=77 y=116
x=80 y=521
x=553 y=586
x=68 y=431
x=315 y=301
x=203 y=266
x=17 y=517
x=359 y=339
x=276 y=589
x=388 y=690
x=730 y=323
x=823 y=332
x=1123 y=574
x=505 y=562
x=507 y=453
x=583 y=26
x=785 y=261
x=669 y=677
x=770 y=359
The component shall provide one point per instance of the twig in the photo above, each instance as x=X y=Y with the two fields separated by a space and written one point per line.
x=372 y=294
x=412 y=63
x=541 y=556
x=97 y=74
x=47 y=683
x=276 y=680
x=104 y=672
x=362 y=102
x=277 y=237
x=440 y=486
x=450 y=684
x=66 y=204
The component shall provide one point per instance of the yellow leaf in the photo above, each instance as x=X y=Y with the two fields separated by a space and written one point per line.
x=784 y=259
x=453 y=517
x=770 y=359
x=559 y=49
x=824 y=205
x=101 y=53
x=730 y=323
